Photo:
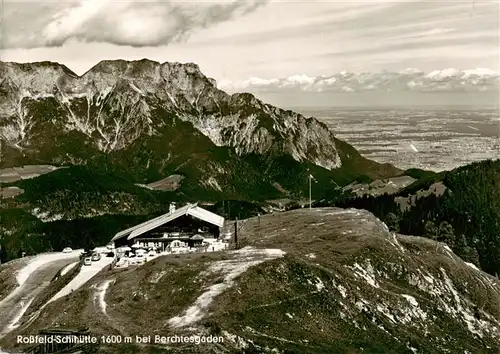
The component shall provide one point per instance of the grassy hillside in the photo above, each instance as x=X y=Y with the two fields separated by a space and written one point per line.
x=307 y=281
x=466 y=216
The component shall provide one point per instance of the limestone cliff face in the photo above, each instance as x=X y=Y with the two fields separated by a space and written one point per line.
x=117 y=102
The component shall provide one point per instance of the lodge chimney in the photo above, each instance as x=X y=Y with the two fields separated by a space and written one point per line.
x=172 y=208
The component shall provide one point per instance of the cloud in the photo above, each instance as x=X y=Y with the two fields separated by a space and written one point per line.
x=133 y=23
x=277 y=40
x=447 y=80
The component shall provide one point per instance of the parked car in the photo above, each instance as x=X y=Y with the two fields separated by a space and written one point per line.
x=67 y=250
x=96 y=257
x=140 y=258
x=87 y=261
x=85 y=254
x=122 y=263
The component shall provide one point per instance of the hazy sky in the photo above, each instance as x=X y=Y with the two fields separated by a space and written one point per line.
x=234 y=41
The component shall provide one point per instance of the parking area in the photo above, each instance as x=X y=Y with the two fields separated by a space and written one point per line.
x=131 y=256
x=85 y=274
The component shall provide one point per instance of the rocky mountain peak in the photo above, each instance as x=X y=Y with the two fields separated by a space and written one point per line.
x=35 y=78
x=245 y=98
x=145 y=69
x=33 y=68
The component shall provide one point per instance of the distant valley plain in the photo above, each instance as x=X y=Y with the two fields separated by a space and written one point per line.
x=432 y=139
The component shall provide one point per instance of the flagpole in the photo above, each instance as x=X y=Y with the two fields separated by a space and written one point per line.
x=310 y=200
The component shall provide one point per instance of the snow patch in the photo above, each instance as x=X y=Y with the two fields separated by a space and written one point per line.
x=342 y=290
x=396 y=243
x=367 y=274
x=448 y=251
x=319 y=284
x=382 y=308
x=45 y=216
x=361 y=305
x=211 y=182
x=413 y=350
x=410 y=299
x=472 y=266
x=451 y=288
x=244 y=259
x=474 y=325
x=172 y=98
x=239 y=342
x=15 y=321
x=155 y=278
x=100 y=294
x=318 y=224
x=136 y=89
x=254 y=332
x=66 y=269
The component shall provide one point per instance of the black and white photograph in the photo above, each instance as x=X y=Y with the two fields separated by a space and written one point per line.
x=250 y=176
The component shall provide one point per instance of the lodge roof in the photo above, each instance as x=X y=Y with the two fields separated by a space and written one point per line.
x=189 y=209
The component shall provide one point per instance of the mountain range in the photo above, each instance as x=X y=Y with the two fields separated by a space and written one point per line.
x=148 y=120
x=114 y=104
